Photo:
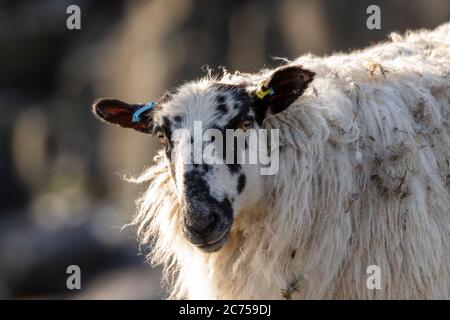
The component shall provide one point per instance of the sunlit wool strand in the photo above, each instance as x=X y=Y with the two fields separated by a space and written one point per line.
x=364 y=180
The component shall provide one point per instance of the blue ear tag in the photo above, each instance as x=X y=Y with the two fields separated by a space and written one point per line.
x=138 y=112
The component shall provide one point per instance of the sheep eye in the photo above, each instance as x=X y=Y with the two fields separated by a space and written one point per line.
x=246 y=124
x=161 y=137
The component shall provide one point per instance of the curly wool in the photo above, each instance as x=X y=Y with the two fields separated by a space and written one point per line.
x=364 y=180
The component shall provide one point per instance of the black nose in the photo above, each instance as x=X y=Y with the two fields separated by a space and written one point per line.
x=206 y=224
x=203 y=228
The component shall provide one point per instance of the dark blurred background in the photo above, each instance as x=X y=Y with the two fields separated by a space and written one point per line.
x=62 y=199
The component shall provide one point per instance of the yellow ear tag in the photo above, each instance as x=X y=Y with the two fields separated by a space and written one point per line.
x=260 y=93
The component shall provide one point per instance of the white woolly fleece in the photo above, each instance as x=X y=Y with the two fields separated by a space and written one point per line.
x=364 y=180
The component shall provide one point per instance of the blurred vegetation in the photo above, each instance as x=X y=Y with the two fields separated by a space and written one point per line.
x=61 y=199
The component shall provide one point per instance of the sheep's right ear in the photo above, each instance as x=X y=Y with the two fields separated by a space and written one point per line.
x=134 y=116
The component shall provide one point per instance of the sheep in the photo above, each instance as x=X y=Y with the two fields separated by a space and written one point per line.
x=363 y=178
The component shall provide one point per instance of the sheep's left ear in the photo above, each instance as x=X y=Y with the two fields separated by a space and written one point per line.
x=280 y=90
x=134 y=116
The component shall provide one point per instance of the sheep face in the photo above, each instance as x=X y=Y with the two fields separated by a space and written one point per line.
x=205 y=129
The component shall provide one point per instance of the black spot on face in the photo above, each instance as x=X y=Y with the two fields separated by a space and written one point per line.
x=222 y=108
x=178 y=119
x=227 y=208
x=166 y=127
x=196 y=184
x=221 y=99
x=241 y=183
x=166 y=122
x=234 y=167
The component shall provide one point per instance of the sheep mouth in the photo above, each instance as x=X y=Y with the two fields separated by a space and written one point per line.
x=210 y=241
x=205 y=245
x=213 y=246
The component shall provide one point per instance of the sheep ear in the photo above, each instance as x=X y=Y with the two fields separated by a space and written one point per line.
x=280 y=90
x=134 y=116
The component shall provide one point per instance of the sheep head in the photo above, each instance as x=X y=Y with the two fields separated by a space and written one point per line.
x=205 y=127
